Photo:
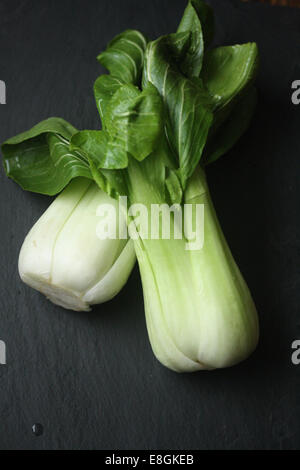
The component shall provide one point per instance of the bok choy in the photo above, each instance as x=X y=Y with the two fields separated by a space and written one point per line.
x=178 y=110
x=62 y=256
x=168 y=107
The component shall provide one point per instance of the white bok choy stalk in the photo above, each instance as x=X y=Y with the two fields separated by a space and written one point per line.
x=62 y=255
x=173 y=113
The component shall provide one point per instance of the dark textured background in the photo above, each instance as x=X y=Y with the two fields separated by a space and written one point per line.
x=91 y=379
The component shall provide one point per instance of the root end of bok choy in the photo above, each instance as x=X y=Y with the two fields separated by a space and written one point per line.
x=63 y=258
x=199 y=311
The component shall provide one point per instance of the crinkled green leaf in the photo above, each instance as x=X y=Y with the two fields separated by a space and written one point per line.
x=104 y=88
x=113 y=182
x=53 y=125
x=134 y=120
x=96 y=144
x=40 y=160
x=93 y=145
x=187 y=103
x=124 y=56
x=134 y=124
x=199 y=21
x=228 y=70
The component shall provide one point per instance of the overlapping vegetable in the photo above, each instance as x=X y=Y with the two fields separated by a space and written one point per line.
x=62 y=256
x=168 y=108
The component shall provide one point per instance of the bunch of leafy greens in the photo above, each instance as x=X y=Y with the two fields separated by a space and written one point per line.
x=168 y=108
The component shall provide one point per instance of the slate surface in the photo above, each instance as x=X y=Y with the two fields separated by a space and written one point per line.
x=91 y=379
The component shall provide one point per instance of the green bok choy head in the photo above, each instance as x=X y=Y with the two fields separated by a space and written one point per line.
x=168 y=108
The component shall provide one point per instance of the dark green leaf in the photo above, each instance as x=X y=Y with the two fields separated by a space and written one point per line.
x=134 y=123
x=228 y=70
x=198 y=20
x=134 y=120
x=124 y=56
x=113 y=182
x=40 y=160
x=187 y=103
x=232 y=129
x=53 y=125
x=104 y=88
x=96 y=145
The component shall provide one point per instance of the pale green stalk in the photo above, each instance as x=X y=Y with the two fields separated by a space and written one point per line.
x=199 y=311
